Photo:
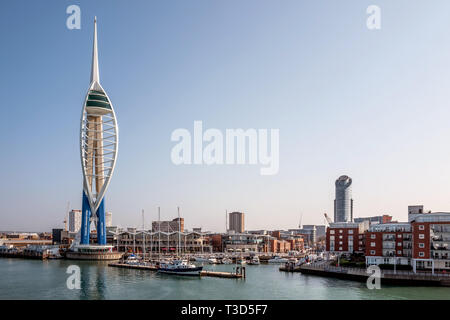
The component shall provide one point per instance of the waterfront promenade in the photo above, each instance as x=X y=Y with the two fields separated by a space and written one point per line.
x=397 y=277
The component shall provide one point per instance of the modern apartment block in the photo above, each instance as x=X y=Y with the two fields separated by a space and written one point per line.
x=422 y=243
x=108 y=219
x=389 y=243
x=74 y=220
x=236 y=222
x=345 y=237
x=431 y=239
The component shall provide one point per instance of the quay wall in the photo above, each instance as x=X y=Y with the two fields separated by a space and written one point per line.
x=400 y=278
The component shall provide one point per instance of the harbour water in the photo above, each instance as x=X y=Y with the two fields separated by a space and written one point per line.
x=35 y=279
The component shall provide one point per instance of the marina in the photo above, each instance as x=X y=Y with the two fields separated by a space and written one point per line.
x=34 y=279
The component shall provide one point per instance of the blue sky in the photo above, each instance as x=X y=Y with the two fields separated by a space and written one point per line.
x=347 y=100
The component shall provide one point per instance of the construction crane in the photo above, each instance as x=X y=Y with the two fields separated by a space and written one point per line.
x=328 y=218
x=65 y=216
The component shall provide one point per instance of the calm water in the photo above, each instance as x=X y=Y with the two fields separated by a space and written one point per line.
x=30 y=279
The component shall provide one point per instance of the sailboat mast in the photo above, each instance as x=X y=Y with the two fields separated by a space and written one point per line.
x=159 y=232
x=143 y=235
x=179 y=234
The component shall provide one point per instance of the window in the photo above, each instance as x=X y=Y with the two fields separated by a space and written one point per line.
x=399 y=252
x=350 y=231
x=340 y=248
x=372 y=244
x=350 y=238
x=372 y=252
x=421 y=227
x=340 y=237
x=421 y=245
x=340 y=230
x=399 y=236
x=421 y=254
x=331 y=231
x=331 y=237
x=373 y=236
x=340 y=242
x=399 y=244
x=421 y=236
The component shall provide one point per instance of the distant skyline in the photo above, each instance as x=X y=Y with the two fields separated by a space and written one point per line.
x=370 y=104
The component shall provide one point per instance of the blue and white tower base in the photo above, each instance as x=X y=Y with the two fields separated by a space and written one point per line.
x=86 y=222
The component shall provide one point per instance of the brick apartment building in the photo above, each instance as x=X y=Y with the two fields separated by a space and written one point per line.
x=431 y=239
x=389 y=243
x=345 y=237
x=422 y=243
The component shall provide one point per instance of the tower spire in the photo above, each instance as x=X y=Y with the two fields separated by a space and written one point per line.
x=95 y=76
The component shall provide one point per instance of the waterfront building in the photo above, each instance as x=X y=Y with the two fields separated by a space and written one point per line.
x=343 y=203
x=321 y=231
x=422 y=243
x=176 y=224
x=163 y=242
x=286 y=241
x=236 y=222
x=308 y=233
x=431 y=240
x=243 y=242
x=56 y=236
x=345 y=237
x=375 y=219
x=389 y=243
x=415 y=211
x=98 y=147
x=74 y=220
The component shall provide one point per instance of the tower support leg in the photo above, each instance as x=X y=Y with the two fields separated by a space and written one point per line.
x=101 y=226
x=85 y=220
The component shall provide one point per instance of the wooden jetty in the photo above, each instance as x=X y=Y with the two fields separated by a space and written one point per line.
x=290 y=269
x=240 y=271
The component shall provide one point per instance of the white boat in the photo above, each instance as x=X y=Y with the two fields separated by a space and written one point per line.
x=200 y=259
x=132 y=260
x=278 y=259
x=227 y=261
x=180 y=267
x=212 y=261
x=254 y=261
x=241 y=261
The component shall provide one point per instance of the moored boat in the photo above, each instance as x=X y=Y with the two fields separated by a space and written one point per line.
x=180 y=267
x=254 y=261
x=278 y=259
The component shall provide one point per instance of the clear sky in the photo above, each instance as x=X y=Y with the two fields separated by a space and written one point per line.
x=372 y=104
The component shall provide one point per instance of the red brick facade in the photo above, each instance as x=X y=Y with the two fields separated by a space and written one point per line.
x=375 y=240
x=339 y=239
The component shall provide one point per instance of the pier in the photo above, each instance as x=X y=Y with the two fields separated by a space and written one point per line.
x=400 y=277
x=289 y=267
x=240 y=271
